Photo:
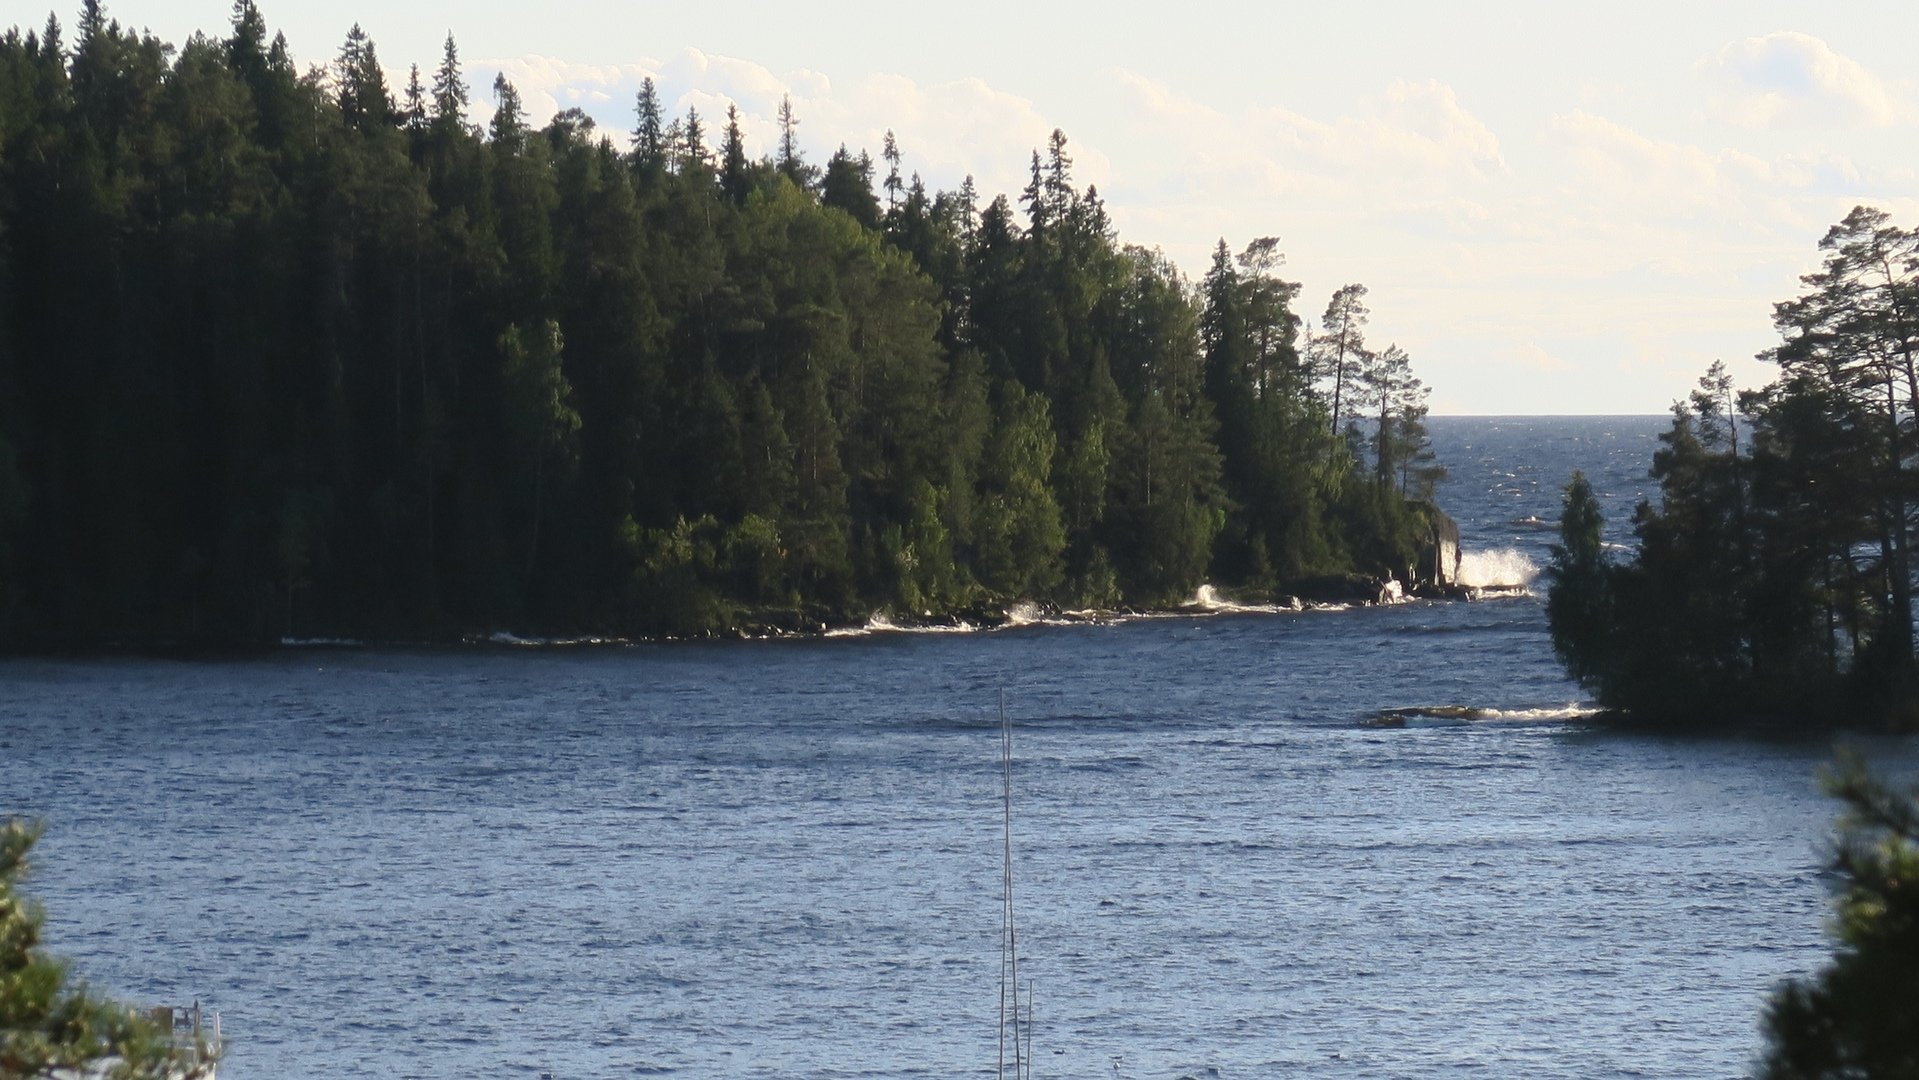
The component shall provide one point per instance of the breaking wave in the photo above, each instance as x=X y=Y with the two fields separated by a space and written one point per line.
x=881 y=623
x=1208 y=599
x=518 y=641
x=1461 y=715
x=1508 y=567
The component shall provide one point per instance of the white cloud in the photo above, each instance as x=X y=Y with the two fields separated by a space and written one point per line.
x=1523 y=265
x=945 y=131
x=1429 y=114
x=1788 y=79
x=1412 y=132
x=1606 y=154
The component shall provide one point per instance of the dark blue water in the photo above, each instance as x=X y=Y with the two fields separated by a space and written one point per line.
x=782 y=859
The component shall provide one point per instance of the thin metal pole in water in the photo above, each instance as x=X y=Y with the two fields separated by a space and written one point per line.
x=1012 y=924
x=1009 y=936
x=1029 y=1027
x=1004 y=855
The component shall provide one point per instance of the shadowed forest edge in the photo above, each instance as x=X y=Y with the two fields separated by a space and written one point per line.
x=290 y=354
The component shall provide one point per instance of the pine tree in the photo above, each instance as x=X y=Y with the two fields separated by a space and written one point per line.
x=1342 y=348
x=1857 y=330
x=1388 y=385
x=48 y=1028
x=1272 y=327
x=1859 y=1016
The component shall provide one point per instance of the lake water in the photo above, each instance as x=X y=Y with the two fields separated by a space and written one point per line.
x=781 y=859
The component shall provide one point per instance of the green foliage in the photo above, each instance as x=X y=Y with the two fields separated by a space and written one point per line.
x=1020 y=537
x=49 y=1026
x=1578 y=606
x=676 y=574
x=1859 y=1016
x=365 y=368
x=1773 y=576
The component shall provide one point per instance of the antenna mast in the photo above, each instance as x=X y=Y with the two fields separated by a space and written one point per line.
x=1008 y=936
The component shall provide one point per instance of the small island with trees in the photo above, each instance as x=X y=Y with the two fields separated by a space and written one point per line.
x=1772 y=582
x=291 y=354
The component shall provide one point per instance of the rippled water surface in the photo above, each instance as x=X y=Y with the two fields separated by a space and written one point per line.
x=782 y=859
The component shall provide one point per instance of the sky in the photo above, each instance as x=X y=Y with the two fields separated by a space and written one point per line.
x=1555 y=210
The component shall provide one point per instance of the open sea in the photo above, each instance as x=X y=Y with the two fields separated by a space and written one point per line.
x=782 y=859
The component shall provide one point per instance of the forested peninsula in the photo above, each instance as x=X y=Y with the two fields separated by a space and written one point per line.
x=1772 y=583
x=294 y=354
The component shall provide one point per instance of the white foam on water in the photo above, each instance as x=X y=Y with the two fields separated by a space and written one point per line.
x=1208 y=599
x=881 y=623
x=1466 y=715
x=1024 y=613
x=1506 y=566
x=1570 y=711
x=503 y=637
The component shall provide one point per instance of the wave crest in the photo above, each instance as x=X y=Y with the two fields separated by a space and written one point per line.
x=1506 y=566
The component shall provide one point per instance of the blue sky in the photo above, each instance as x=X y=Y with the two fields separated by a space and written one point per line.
x=1555 y=211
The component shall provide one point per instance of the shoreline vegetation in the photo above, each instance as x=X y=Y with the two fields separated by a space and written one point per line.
x=302 y=355
x=1772 y=583
x=1338 y=593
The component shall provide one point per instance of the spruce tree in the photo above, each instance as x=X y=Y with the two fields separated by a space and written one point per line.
x=890 y=151
x=508 y=129
x=449 y=88
x=733 y=178
x=848 y=185
x=649 y=133
x=413 y=114
x=1579 y=605
x=693 y=154
x=791 y=162
x=363 y=99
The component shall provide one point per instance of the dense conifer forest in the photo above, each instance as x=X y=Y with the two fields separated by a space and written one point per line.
x=300 y=353
x=1773 y=579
